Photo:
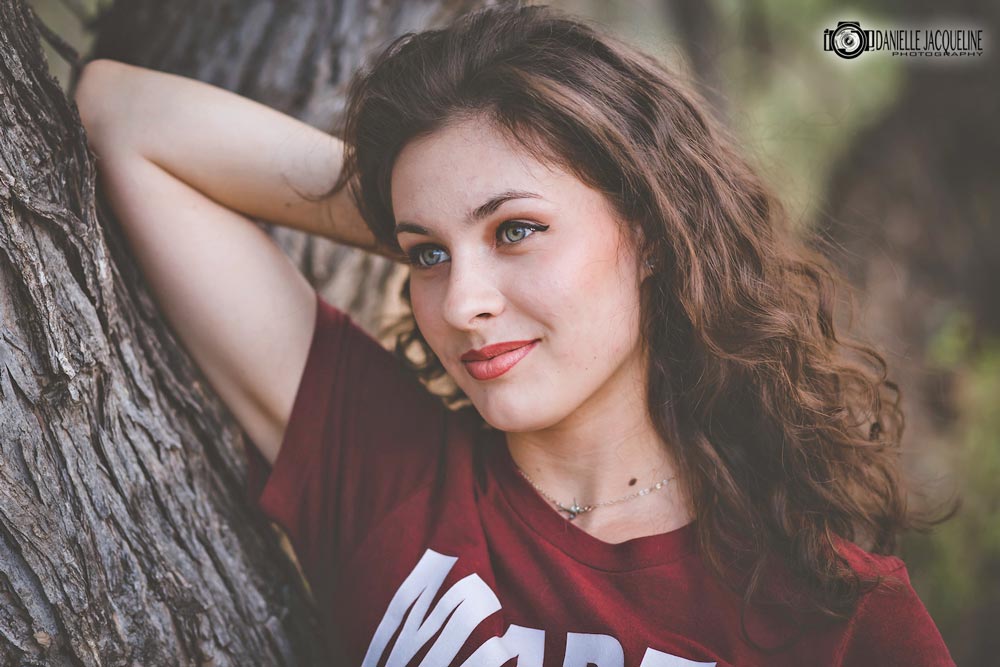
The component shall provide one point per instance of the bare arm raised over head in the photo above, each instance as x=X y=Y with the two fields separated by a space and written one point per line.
x=183 y=164
x=244 y=155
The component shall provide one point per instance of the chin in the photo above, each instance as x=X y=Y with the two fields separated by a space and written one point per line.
x=515 y=413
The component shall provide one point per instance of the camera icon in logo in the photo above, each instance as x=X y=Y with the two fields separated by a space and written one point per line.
x=847 y=40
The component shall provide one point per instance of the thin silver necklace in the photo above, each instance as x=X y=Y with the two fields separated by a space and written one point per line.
x=574 y=510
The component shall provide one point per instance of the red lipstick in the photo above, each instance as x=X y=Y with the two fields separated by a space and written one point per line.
x=493 y=361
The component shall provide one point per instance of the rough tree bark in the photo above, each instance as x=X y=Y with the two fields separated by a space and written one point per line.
x=125 y=535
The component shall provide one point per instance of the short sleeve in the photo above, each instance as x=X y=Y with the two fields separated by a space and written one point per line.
x=363 y=434
x=892 y=628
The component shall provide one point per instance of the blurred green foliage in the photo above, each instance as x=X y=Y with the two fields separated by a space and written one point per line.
x=794 y=105
x=957 y=567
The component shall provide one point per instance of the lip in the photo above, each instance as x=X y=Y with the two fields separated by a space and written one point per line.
x=490 y=351
x=494 y=360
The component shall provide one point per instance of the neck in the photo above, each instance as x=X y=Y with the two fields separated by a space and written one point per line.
x=590 y=466
x=603 y=450
x=603 y=459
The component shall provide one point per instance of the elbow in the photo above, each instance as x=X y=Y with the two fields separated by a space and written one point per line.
x=92 y=94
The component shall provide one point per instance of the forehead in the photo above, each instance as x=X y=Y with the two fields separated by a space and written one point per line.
x=441 y=176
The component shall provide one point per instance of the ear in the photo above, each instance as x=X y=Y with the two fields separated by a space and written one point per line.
x=648 y=267
x=644 y=251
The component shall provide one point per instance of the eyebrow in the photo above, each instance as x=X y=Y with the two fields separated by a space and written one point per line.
x=486 y=208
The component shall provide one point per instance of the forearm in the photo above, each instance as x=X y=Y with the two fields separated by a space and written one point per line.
x=244 y=155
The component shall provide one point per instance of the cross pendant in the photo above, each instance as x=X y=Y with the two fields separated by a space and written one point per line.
x=573 y=510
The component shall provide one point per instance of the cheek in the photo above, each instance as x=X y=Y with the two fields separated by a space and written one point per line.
x=589 y=281
x=592 y=303
x=426 y=316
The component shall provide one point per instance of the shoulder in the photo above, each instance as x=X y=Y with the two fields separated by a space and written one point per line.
x=891 y=625
x=868 y=564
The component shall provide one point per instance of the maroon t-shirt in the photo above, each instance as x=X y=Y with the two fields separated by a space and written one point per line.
x=424 y=546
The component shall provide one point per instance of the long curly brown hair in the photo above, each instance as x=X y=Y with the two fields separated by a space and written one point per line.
x=785 y=434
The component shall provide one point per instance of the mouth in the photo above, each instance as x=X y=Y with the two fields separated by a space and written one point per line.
x=499 y=363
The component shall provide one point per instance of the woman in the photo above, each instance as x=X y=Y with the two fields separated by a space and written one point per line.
x=657 y=450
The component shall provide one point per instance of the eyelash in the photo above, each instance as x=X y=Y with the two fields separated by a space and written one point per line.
x=413 y=257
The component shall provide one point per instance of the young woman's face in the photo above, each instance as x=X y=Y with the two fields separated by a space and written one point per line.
x=506 y=249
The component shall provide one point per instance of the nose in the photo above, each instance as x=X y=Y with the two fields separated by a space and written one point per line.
x=472 y=294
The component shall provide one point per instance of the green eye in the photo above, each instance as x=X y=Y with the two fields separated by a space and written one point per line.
x=425 y=257
x=515 y=231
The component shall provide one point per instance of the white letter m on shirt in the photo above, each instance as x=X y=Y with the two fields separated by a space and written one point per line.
x=470 y=598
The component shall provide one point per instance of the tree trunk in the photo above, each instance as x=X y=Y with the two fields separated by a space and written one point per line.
x=125 y=534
